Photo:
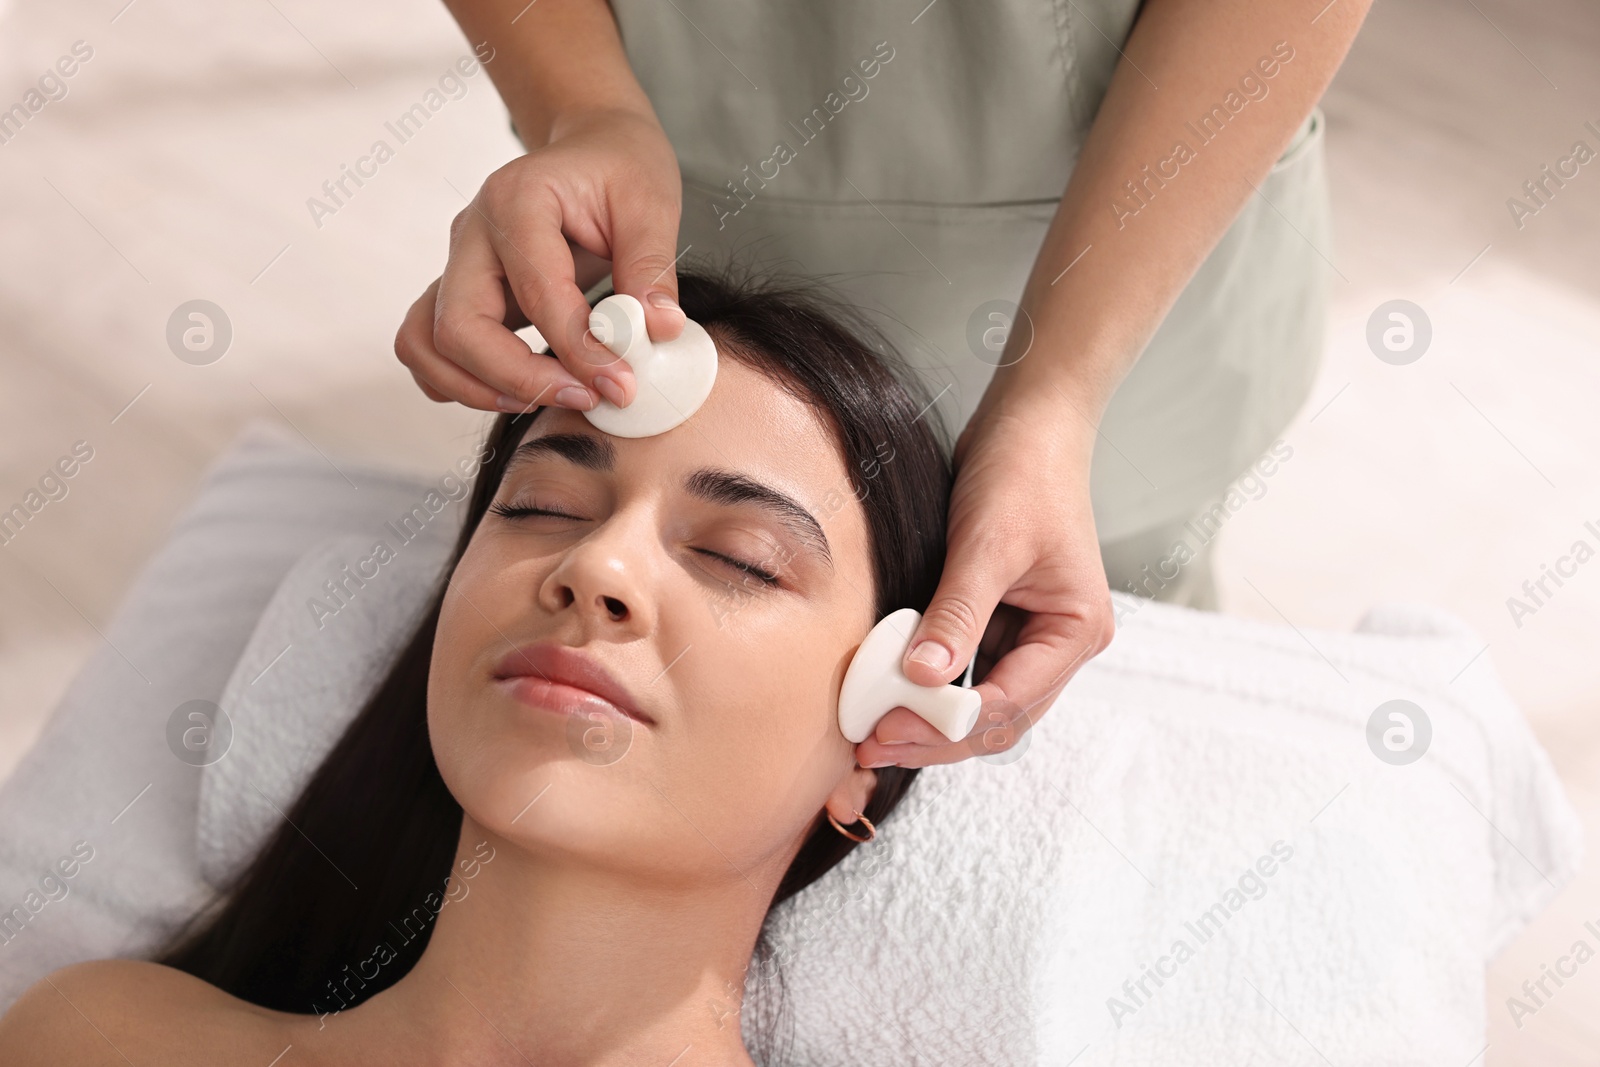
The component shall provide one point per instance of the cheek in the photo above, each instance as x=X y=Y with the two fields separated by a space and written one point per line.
x=463 y=638
x=454 y=638
x=761 y=748
x=490 y=591
x=767 y=687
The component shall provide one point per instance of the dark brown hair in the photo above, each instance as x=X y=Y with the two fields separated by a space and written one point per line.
x=291 y=922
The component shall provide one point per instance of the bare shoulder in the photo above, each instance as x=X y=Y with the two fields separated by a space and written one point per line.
x=117 y=1011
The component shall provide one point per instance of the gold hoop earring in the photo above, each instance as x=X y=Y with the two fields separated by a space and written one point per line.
x=872 y=831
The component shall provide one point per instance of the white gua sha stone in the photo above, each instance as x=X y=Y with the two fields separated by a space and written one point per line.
x=674 y=377
x=874 y=685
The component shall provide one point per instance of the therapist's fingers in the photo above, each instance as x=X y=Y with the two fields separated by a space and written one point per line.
x=905 y=739
x=588 y=268
x=981 y=564
x=1051 y=647
x=1067 y=619
x=999 y=637
x=526 y=213
x=427 y=390
x=470 y=316
x=902 y=725
x=439 y=378
x=1001 y=724
x=643 y=259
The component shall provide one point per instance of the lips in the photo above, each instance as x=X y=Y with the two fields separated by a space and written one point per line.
x=562 y=665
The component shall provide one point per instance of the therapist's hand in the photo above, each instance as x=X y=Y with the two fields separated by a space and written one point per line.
x=1023 y=586
x=604 y=193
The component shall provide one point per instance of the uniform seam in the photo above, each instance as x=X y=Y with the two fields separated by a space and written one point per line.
x=809 y=203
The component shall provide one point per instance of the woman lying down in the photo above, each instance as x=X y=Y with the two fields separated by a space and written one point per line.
x=606 y=900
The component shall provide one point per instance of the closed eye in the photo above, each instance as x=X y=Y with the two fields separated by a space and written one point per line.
x=749 y=568
x=517 y=511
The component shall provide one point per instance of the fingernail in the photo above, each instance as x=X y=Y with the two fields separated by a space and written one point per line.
x=880 y=763
x=609 y=389
x=511 y=403
x=894 y=742
x=575 y=396
x=933 y=654
x=665 y=302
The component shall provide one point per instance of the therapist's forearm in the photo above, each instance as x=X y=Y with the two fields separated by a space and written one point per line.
x=1091 y=322
x=552 y=58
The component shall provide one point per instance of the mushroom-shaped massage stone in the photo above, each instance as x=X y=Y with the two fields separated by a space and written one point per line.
x=674 y=377
x=874 y=685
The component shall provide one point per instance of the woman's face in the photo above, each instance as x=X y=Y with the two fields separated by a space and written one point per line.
x=654 y=570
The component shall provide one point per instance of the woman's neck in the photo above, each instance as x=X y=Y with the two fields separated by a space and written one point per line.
x=536 y=960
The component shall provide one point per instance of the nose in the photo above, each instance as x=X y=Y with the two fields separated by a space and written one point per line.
x=604 y=578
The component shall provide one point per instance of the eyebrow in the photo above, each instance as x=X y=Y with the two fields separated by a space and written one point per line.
x=711 y=484
x=592 y=453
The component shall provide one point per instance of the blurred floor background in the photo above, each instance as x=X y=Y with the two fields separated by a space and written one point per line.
x=179 y=163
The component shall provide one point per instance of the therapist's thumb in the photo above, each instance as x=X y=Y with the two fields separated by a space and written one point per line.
x=948 y=636
x=643 y=266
